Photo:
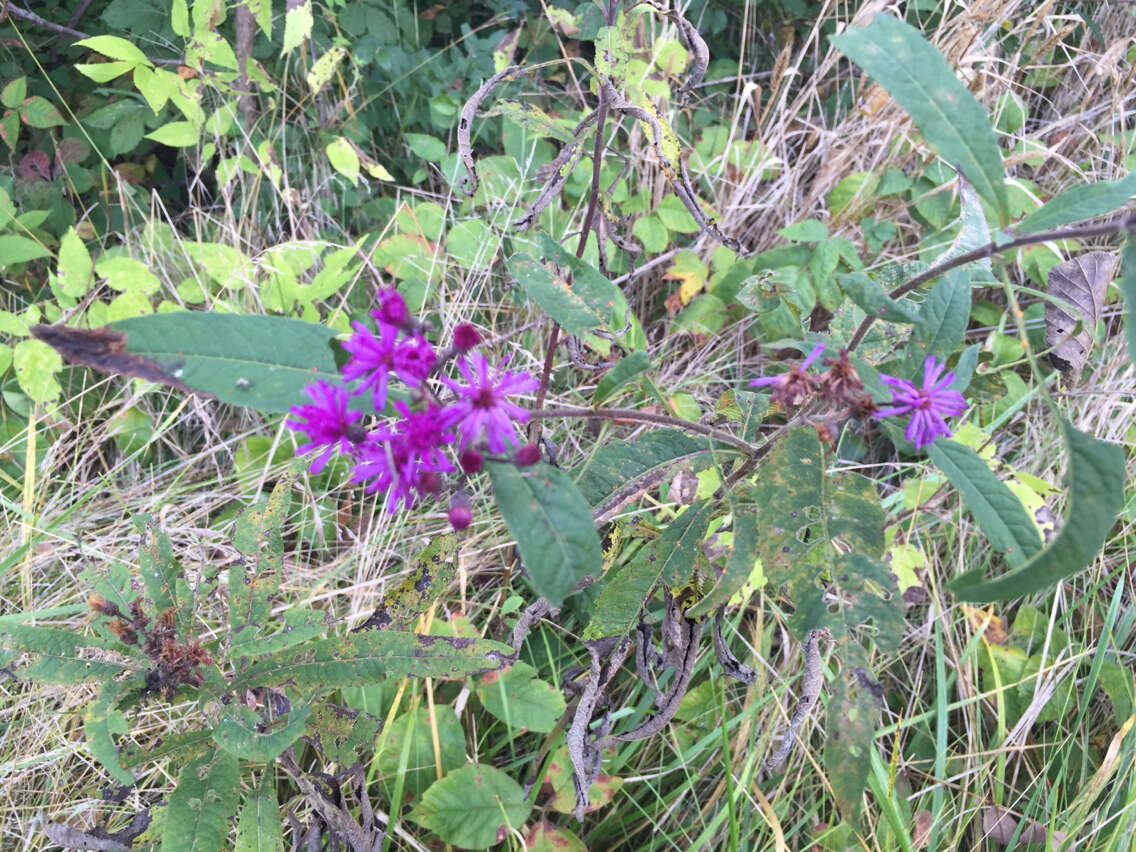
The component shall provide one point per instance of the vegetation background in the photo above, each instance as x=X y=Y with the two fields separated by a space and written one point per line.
x=331 y=136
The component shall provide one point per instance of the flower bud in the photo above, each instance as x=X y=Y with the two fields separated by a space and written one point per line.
x=471 y=461
x=465 y=337
x=527 y=455
x=461 y=513
x=392 y=308
x=429 y=482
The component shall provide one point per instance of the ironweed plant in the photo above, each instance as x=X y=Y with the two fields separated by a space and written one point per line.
x=754 y=492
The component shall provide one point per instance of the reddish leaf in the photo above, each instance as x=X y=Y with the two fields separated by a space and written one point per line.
x=35 y=165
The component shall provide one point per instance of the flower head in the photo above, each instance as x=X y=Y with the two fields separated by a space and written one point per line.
x=392 y=308
x=927 y=405
x=482 y=407
x=405 y=461
x=465 y=337
x=796 y=386
x=373 y=359
x=327 y=422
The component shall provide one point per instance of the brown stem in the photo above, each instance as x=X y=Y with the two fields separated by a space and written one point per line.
x=1125 y=223
x=648 y=417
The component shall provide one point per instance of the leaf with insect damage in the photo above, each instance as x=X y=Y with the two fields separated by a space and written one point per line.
x=1078 y=287
x=430 y=573
x=255 y=577
x=202 y=804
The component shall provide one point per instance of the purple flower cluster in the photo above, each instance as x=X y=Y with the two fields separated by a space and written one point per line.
x=840 y=387
x=407 y=458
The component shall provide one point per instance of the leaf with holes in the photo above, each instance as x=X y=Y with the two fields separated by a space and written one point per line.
x=1078 y=287
x=669 y=559
x=238 y=732
x=552 y=524
x=255 y=578
x=202 y=804
x=259 y=828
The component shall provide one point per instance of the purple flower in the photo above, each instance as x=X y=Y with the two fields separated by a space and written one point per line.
x=392 y=308
x=481 y=405
x=927 y=405
x=374 y=358
x=327 y=422
x=404 y=461
x=795 y=386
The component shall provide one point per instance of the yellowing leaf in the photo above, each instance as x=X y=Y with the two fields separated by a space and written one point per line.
x=324 y=69
x=343 y=159
x=691 y=271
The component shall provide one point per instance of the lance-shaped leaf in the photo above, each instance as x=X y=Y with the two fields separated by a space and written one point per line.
x=1080 y=202
x=102 y=721
x=552 y=524
x=853 y=710
x=1096 y=494
x=739 y=565
x=919 y=78
x=202 y=804
x=621 y=471
x=162 y=575
x=868 y=294
x=668 y=559
x=431 y=571
x=58 y=655
x=253 y=579
x=943 y=319
x=237 y=733
x=1078 y=287
x=185 y=746
x=372 y=655
x=259 y=828
x=589 y=302
x=261 y=362
x=623 y=372
x=1000 y=514
x=1128 y=288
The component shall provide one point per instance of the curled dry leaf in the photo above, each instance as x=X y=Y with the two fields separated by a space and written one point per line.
x=1079 y=287
x=999 y=825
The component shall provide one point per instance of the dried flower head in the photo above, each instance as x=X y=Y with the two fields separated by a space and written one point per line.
x=796 y=386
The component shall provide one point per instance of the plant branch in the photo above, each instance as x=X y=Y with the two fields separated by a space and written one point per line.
x=35 y=20
x=1125 y=223
x=648 y=417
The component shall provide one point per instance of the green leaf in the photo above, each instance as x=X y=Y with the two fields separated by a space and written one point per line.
x=256 y=361
x=254 y=579
x=406 y=750
x=1096 y=495
x=897 y=56
x=1080 y=202
x=431 y=571
x=674 y=215
x=179 y=18
x=59 y=654
x=669 y=559
x=473 y=807
x=815 y=524
x=41 y=113
x=184 y=746
x=114 y=47
x=552 y=524
x=621 y=470
x=943 y=319
x=1128 y=288
x=259 y=828
x=160 y=571
x=104 y=72
x=343 y=159
x=429 y=148
x=236 y=732
x=587 y=304
x=529 y=116
x=128 y=275
x=36 y=364
x=101 y=721
x=853 y=711
x=739 y=566
x=867 y=293
x=372 y=655
x=226 y=265
x=262 y=11
x=809 y=231
x=520 y=699
x=472 y=244
x=13 y=93
x=202 y=804
x=73 y=265
x=1000 y=514
x=175 y=134
x=651 y=232
x=16 y=249
x=623 y=372
x=297 y=25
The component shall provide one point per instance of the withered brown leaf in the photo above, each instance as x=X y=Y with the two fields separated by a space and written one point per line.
x=105 y=349
x=1079 y=287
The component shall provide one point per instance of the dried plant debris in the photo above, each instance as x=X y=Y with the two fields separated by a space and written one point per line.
x=1078 y=288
